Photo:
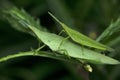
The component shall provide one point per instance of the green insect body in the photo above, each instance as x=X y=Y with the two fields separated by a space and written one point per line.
x=82 y=39
x=53 y=41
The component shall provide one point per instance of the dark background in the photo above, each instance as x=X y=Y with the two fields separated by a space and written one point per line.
x=90 y=17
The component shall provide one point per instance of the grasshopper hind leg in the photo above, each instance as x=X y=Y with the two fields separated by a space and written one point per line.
x=63 y=42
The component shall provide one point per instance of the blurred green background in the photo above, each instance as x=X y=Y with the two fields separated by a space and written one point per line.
x=91 y=17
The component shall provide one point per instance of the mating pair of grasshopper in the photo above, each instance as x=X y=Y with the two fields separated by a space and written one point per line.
x=55 y=42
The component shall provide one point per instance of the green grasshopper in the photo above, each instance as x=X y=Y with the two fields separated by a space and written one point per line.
x=80 y=38
x=53 y=41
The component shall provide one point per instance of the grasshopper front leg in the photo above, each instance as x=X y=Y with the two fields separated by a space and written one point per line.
x=35 y=51
x=61 y=32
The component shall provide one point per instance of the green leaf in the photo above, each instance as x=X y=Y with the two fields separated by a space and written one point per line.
x=13 y=15
x=113 y=27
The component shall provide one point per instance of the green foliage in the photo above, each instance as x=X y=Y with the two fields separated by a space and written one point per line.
x=89 y=17
x=113 y=28
x=12 y=14
x=54 y=41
